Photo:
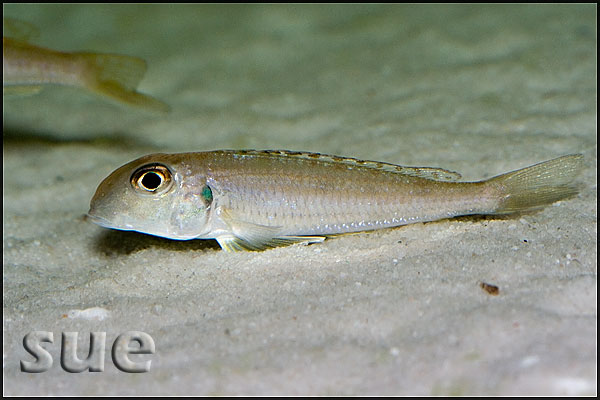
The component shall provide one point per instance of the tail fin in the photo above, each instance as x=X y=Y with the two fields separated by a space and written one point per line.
x=538 y=185
x=117 y=76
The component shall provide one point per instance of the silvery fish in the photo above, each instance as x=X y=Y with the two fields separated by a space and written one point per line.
x=26 y=68
x=254 y=200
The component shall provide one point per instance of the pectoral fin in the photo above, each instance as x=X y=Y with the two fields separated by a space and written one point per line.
x=247 y=236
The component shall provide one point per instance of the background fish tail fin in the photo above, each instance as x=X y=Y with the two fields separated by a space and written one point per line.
x=538 y=185
x=117 y=76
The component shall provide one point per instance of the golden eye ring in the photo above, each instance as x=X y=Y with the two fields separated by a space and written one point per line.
x=152 y=179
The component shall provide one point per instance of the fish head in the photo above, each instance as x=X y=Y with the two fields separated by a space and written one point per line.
x=158 y=194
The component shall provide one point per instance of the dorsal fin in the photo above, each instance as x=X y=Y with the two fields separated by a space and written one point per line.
x=434 y=174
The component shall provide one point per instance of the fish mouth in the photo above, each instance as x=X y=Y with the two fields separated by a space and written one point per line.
x=107 y=224
x=98 y=220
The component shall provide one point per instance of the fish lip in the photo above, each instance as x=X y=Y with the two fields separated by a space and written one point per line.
x=103 y=222
x=98 y=220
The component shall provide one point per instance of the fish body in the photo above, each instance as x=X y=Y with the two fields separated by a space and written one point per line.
x=253 y=200
x=26 y=68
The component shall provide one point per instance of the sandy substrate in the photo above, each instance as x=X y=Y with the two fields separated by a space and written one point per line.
x=479 y=90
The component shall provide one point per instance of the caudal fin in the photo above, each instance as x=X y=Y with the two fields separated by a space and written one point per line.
x=539 y=185
x=117 y=76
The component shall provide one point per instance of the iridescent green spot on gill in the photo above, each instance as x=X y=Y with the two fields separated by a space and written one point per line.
x=207 y=194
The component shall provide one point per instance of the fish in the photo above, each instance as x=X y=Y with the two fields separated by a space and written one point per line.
x=252 y=200
x=27 y=68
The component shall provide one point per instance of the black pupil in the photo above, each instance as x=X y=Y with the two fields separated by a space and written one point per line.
x=151 y=181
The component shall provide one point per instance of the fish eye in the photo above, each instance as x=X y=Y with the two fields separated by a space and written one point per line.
x=151 y=179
